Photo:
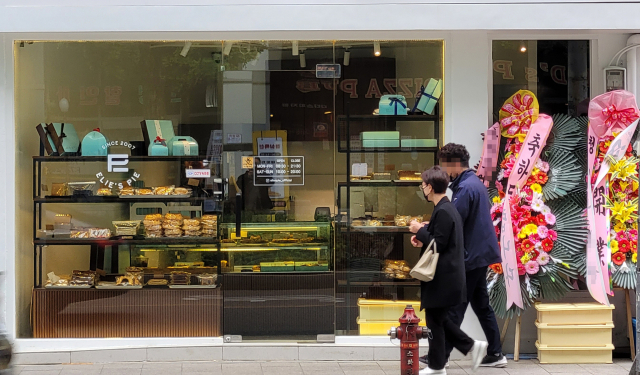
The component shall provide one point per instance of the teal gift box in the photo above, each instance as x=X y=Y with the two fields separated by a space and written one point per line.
x=94 y=144
x=151 y=129
x=392 y=105
x=67 y=135
x=183 y=146
x=365 y=136
x=158 y=148
x=430 y=95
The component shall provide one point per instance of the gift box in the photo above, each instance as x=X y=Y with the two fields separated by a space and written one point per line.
x=419 y=143
x=151 y=129
x=94 y=144
x=183 y=146
x=429 y=96
x=158 y=147
x=62 y=138
x=392 y=105
x=366 y=136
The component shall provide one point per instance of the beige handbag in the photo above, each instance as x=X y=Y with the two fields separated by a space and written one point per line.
x=425 y=270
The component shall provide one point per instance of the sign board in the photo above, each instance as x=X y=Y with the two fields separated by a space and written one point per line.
x=247 y=162
x=198 y=173
x=279 y=171
x=234 y=138
x=328 y=70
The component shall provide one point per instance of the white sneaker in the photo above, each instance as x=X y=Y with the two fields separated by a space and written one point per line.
x=477 y=353
x=428 y=371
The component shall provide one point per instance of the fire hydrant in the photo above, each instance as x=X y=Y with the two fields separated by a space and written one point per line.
x=409 y=333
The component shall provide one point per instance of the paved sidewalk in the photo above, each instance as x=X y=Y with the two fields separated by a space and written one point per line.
x=528 y=367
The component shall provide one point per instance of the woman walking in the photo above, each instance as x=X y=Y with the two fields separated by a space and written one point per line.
x=448 y=287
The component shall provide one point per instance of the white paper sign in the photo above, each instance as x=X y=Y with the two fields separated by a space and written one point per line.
x=359 y=169
x=198 y=173
x=234 y=138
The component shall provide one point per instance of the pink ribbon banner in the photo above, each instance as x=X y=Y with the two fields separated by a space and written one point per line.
x=530 y=152
x=489 y=159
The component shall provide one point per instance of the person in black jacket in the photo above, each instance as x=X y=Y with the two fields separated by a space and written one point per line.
x=448 y=287
x=471 y=200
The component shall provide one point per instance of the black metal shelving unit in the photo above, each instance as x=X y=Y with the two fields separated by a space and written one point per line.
x=346 y=125
x=98 y=245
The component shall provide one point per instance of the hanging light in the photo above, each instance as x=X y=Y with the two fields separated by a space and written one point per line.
x=185 y=49
x=523 y=47
x=303 y=59
x=294 y=48
x=347 y=56
x=376 y=48
x=227 y=48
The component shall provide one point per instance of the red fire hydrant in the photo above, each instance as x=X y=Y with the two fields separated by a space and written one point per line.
x=409 y=333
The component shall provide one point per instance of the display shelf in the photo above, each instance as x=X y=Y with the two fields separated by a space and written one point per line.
x=379 y=283
x=389 y=149
x=116 y=199
x=272 y=247
x=104 y=158
x=393 y=118
x=380 y=183
x=108 y=242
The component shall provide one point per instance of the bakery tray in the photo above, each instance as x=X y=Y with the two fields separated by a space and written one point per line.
x=118 y=287
x=154 y=196
x=68 y=287
x=193 y=286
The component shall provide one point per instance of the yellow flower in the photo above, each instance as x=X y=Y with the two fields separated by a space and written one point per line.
x=626 y=170
x=634 y=225
x=531 y=229
x=634 y=184
x=525 y=258
x=618 y=209
x=623 y=185
x=522 y=234
x=614 y=246
x=535 y=171
x=634 y=258
x=536 y=188
x=496 y=199
x=619 y=227
x=521 y=137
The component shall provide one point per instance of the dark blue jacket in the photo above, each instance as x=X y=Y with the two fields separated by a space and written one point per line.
x=471 y=199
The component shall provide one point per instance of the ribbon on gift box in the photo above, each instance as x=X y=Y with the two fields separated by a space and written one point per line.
x=160 y=140
x=394 y=102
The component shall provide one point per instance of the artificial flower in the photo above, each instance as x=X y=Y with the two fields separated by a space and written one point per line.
x=538 y=246
x=619 y=227
x=540 y=221
x=496 y=200
x=521 y=270
x=624 y=246
x=536 y=188
x=541 y=178
x=497 y=268
x=531 y=229
x=634 y=246
x=537 y=205
x=527 y=245
x=614 y=246
x=525 y=258
x=543 y=232
x=545 y=167
x=627 y=170
x=543 y=259
x=532 y=267
x=634 y=258
x=547 y=245
x=618 y=258
x=553 y=235
x=550 y=218
x=546 y=210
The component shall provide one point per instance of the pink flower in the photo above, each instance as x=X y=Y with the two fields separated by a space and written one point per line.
x=621 y=236
x=543 y=259
x=553 y=234
x=499 y=186
x=521 y=270
x=532 y=267
x=550 y=218
x=545 y=167
x=534 y=238
x=543 y=232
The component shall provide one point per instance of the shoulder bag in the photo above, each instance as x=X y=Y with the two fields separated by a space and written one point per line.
x=425 y=270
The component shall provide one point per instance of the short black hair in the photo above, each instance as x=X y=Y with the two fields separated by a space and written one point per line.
x=437 y=178
x=453 y=152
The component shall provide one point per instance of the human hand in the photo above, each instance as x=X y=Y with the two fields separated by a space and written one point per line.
x=415 y=242
x=414 y=226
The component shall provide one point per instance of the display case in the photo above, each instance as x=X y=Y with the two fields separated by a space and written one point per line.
x=276 y=247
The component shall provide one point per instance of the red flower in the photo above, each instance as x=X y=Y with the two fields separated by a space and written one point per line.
x=547 y=245
x=541 y=178
x=634 y=246
x=497 y=231
x=527 y=245
x=497 y=268
x=519 y=254
x=540 y=221
x=521 y=269
x=618 y=258
x=624 y=246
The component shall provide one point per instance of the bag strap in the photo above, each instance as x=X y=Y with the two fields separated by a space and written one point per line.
x=432 y=245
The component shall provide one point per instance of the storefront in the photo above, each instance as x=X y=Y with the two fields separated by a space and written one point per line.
x=188 y=238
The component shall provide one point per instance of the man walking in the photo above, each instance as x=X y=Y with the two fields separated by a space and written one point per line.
x=471 y=199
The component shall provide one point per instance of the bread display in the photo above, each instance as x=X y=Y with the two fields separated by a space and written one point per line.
x=128 y=191
x=126 y=228
x=105 y=192
x=180 y=191
x=180 y=278
x=207 y=279
x=409 y=176
x=144 y=192
x=163 y=190
x=157 y=282
x=127 y=280
x=396 y=269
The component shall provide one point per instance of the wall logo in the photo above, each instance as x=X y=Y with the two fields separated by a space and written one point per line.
x=117 y=163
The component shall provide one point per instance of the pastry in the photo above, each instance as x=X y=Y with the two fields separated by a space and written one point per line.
x=127 y=280
x=128 y=191
x=163 y=190
x=154 y=217
x=191 y=222
x=409 y=176
x=144 y=192
x=180 y=191
x=173 y=217
x=104 y=191
x=374 y=223
x=79 y=234
x=157 y=282
x=403 y=221
x=192 y=233
x=255 y=268
x=99 y=233
x=207 y=279
x=180 y=278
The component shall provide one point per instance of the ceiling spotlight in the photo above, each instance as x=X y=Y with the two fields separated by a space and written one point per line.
x=303 y=59
x=523 y=48
x=376 y=48
x=185 y=49
x=227 y=48
x=347 y=56
x=294 y=48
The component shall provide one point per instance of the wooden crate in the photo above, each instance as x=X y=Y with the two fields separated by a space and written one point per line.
x=578 y=335
x=602 y=354
x=574 y=313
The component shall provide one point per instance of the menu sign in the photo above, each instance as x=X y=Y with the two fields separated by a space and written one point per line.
x=278 y=171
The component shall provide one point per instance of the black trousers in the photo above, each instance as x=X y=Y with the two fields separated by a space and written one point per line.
x=478 y=297
x=444 y=330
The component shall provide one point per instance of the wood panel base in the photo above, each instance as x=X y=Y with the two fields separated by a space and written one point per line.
x=94 y=313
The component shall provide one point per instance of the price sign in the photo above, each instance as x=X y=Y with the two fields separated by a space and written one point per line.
x=198 y=173
x=328 y=70
x=279 y=171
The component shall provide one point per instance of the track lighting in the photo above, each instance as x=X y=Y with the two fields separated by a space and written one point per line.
x=185 y=49
x=303 y=59
x=227 y=48
x=294 y=48
x=376 y=48
x=347 y=56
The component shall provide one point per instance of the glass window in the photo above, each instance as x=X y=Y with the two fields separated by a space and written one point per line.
x=207 y=183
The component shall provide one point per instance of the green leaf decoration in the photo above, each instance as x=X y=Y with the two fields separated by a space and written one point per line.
x=565 y=174
x=565 y=134
x=625 y=279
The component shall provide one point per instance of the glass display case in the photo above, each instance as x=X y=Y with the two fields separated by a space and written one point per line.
x=276 y=247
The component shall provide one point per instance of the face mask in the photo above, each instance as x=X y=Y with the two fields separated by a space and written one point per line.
x=426 y=195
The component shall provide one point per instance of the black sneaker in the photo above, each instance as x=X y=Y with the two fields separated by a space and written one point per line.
x=424 y=360
x=494 y=361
